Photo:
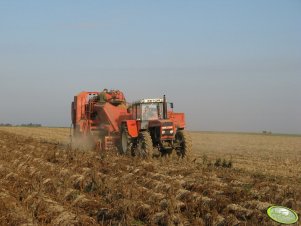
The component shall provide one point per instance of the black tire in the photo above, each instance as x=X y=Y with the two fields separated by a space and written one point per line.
x=184 y=140
x=144 y=147
x=125 y=142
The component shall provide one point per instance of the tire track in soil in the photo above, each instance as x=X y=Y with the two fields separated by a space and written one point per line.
x=49 y=183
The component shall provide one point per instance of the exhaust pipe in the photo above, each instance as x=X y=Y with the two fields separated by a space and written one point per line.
x=164 y=107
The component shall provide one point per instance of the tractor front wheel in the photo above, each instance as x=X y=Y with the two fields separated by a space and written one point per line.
x=144 y=147
x=184 y=142
x=125 y=141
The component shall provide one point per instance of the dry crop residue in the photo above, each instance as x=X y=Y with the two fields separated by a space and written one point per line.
x=48 y=183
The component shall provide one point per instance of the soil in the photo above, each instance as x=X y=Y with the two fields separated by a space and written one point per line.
x=46 y=182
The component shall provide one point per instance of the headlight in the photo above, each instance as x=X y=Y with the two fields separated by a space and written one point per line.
x=167 y=131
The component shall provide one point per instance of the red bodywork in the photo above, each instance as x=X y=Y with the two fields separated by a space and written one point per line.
x=103 y=119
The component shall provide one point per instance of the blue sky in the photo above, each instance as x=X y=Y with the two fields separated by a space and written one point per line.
x=229 y=65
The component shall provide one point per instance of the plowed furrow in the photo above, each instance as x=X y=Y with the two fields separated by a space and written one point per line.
x=48 y=183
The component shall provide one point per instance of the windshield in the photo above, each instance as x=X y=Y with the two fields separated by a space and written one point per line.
x=151 y=111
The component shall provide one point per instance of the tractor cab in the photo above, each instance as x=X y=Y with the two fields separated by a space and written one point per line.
x=147 y=109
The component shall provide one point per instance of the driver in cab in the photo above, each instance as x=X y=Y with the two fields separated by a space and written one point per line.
x=149 y=113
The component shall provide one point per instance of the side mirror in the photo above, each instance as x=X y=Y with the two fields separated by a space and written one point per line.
x=171 y=105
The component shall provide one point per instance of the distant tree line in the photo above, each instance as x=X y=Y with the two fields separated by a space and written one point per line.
x=5 y=124
x=23 y=125
x=31 y=125
x=266 y=132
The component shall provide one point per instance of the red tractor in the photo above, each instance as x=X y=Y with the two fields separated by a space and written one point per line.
x=144 y=128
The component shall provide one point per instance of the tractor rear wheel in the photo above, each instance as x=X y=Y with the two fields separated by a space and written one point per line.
x=145 y=145
x=185 y=143
x=125 y=141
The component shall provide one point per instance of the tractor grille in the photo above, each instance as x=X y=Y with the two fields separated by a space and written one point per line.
x=167 y=124
x=167 y=129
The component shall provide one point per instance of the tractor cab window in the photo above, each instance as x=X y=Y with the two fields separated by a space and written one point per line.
x=151 y=111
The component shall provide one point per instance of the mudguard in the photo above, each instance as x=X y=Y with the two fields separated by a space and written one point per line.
x=132 y=128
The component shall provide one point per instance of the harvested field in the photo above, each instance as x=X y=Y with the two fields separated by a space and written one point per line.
x=61 y=135
x=43 y=181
